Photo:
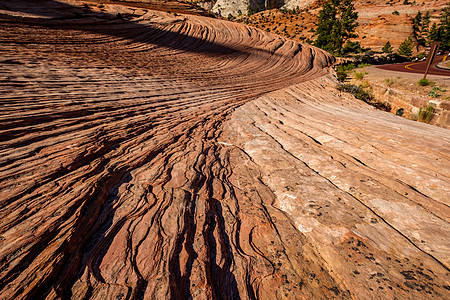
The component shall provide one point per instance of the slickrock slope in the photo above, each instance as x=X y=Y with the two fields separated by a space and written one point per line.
x=361 y=193
x=135 y=163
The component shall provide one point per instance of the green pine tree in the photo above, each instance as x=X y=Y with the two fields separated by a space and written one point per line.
x=406 y=47
x=337 y=24
x=441 y=31
x=426 y=19
x=444 y=28
x=326 y=27
x=417 y=29
x=421 y=27
x=417 y=22
x=387 y=48
x=433 y=34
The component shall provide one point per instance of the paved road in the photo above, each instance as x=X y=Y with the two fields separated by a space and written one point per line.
x=418 y=67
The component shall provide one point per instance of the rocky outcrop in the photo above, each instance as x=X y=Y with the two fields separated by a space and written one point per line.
x=150 y=155
x=112 y=181
x=355 y=183
x=239 y=7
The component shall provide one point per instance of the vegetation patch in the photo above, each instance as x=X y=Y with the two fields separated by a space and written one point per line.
x=336 y=25
x=434 y=93
x=360 y=93
x=360 y=75
x=389 y=82
x=424 y=82
x=426 y=113
x=341 y=75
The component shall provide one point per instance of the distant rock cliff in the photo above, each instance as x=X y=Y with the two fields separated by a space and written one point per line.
x=237 y=7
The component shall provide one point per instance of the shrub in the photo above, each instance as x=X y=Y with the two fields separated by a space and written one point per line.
x=341 y=75
x=249 y=10
x=436 y=88
x=433 y=94
x=361 y=94
x=352 y=47
x=421 y=55
x=360 y=75
x=389 y=82
x=395 y=13
x=356 y=91
x=362 y=65
x=426 y=113
x=345 y=67
x=424 y=82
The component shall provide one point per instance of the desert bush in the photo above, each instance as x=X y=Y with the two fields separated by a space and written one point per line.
x=341 y=75
x=433 y=94
x=360 y=93
x=389 y=82
x=426 y=113
x=352 y=47
x=365 y=85
x=360 y=75
x=362 y=65
x=356 y=91
x=395 y=13
x=421 y=55
x=436 y=88
x=345 y=67
x=423 y=82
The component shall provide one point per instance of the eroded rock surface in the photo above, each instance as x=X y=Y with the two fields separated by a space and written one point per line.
x=367 y=191
x=135 y=165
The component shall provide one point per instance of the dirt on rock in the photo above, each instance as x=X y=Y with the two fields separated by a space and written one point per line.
x=154 y=155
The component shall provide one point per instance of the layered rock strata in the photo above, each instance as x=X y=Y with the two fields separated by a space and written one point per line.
x=242 y=7
x=364 y=193
x=134 y=165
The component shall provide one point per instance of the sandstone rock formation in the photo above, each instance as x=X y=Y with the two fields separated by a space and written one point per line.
x=154 y=156
x=237 y=7
x=379 y=21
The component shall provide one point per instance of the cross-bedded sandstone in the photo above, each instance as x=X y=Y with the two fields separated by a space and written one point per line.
x=135 y=163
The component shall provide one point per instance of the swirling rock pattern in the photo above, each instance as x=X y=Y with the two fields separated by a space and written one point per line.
x=134 y=165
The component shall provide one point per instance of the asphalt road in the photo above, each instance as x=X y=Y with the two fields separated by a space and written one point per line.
x=418 y=67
